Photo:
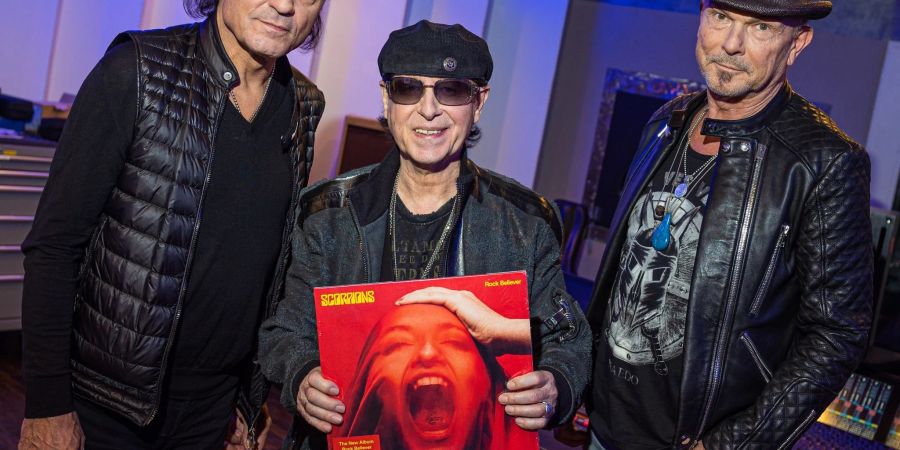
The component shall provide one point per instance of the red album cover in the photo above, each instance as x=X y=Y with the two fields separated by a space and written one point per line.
x=412 y=376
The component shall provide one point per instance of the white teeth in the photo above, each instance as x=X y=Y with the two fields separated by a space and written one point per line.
x=427 y=132
x=430 y=381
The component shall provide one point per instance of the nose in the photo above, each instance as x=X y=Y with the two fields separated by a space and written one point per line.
x=428 y=106
x=734 y=41
x=284 y=7
x=428 y=353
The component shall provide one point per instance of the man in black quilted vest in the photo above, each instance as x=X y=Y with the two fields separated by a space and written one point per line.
x=160 y=241
x=735 y=295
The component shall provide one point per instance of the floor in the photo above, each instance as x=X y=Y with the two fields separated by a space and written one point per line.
x=12 y=399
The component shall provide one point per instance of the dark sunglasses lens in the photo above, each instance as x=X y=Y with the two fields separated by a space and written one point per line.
x=453 y=92
x=406 y=91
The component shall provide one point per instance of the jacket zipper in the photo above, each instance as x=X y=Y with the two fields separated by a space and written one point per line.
x=770 y=271
x=286 y=233
x=809 y=418
x=731 y=297
x=754 y=352
x=282 y=257
x=187 y=264
x=362 y=246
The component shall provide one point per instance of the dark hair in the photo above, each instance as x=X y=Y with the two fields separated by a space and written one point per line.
x=202 y=9
x=472 y=139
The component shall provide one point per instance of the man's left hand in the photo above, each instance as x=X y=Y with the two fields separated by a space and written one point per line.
x=531 y=399
x=240 y=439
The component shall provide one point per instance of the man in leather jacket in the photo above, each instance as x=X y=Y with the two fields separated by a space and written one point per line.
x=160 y=241
x=734 y=298
x=428 y=211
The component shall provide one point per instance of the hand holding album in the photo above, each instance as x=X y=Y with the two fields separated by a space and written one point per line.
x=316 y=401
x=531 y=399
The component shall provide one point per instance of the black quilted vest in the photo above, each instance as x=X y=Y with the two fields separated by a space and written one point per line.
x=136 y=265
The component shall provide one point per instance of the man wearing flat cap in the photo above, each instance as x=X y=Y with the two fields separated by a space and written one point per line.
x=428 y=211
x=734 y=298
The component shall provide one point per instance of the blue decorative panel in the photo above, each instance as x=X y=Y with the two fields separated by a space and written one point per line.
x=896 y=34
x=874 y=19
x=869 y=18
x=685 y=6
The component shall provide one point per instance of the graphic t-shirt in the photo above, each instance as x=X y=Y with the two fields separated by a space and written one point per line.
x=645 y=317
x=416 y=240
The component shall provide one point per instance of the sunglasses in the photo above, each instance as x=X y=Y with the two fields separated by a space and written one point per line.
x=448 y=92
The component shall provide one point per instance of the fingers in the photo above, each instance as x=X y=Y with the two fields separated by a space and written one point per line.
x=530 y=380
x=531 y=424
x=533 y=410
x=237 y=436
x=316 y=403
x=320 y=383
x=238 y=429
x=526 y=397
x=432 y=295
x=531 y=399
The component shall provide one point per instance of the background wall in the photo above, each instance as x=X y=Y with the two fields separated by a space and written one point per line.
x=883 y=141
x=551 y=58
x=49 y=46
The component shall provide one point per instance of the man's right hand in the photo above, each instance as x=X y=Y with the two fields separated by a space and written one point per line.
x=52 y=433
x=316 y=402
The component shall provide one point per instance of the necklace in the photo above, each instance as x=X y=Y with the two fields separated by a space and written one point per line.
x=662 y=234
x=392 y=223
x=234 y=101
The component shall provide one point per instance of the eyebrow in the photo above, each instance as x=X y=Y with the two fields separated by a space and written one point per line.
x=405 y=328
x=752 y=21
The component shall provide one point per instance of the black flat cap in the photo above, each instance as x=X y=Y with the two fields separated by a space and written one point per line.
x=435 y=50
x=801 y=9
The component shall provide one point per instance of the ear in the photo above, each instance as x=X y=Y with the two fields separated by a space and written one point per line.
x=803 y=39
x=482 y=99
x=385 y=99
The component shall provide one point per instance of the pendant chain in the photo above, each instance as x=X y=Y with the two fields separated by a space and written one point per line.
x=234 y=101
x=688 y=179
x=393 y=230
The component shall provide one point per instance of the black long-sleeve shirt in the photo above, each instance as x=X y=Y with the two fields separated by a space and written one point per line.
x=243 y=216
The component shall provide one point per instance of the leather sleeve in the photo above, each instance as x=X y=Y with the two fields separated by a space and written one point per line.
x=288 y=342
x=834 y=269
x=561 y=335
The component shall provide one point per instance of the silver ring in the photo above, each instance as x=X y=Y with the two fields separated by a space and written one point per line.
x=548 y=409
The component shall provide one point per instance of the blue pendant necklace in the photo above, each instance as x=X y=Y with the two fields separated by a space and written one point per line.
x=662 y=234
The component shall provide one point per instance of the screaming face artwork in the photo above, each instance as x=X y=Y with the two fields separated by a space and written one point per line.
x=423 y=383
x=412 y=376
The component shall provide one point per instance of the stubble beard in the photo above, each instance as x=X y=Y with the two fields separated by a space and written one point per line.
x=719 y=81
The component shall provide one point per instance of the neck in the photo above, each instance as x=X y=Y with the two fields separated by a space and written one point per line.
x=252 y=70
x=728 y=108
x=423 y=191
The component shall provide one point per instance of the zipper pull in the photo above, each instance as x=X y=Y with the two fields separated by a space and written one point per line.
x=760 y=151
x=664 y=132
x=785 y=229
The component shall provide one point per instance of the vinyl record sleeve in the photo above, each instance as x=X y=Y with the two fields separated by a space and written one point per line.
x=412 y=376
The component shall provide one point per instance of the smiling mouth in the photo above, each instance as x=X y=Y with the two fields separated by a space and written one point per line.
x=431 y=405
x=427 y=132
x=733 y=69
x=274 y=26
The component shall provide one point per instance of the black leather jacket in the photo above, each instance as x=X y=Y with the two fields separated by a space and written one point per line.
x=781 y=297
x=138 y=260
x=339 y=239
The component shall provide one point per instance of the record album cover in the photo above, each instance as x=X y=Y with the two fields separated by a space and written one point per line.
x=414 y=376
